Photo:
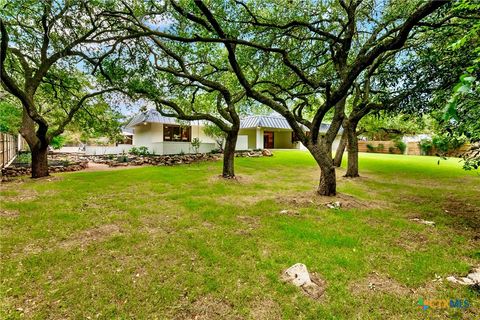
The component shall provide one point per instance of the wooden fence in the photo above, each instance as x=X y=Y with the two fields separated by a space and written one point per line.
x=413 y=148
x=377 y=147
x=8 y=148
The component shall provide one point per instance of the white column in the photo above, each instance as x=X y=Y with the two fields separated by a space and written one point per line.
x=259 y=138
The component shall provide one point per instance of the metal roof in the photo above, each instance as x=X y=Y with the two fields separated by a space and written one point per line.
x=150 y=116
x=274 y=122
x=271 y=121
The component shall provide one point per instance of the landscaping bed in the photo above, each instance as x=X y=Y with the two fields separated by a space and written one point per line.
x=67 y=162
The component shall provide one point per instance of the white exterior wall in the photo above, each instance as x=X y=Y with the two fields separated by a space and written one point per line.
x=100 y=150
x=151 y=136
x=242 y=142
x=143 y=136
x=259 y=138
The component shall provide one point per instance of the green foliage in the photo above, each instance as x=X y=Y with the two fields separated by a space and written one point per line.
x=122 y=158
x=57 y=142
x=213 y=131
x=370 y=148
x=426 y=146
x=446 y=143
x=196 y=144
x=10 y=116
x=140 y=151
x=400 y=145
x=385 y=126
x=24 y=157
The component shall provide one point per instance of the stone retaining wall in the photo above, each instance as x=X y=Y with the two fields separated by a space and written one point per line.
x=75 y=162
x=16 y=170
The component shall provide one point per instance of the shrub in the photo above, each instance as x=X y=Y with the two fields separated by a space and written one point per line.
x=391 y=149
x=140 y=151
x=57 y=142
x=214 y=151
x=370 y=148
x=426 y=146
x=24 y=157
x=196 y=144
x=446 y=143
x=402 y=146
x=122 y=158
x=380 y=147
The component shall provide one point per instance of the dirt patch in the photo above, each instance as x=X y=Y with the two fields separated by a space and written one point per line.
x=87 y=237
x=412 y=241
x=249 y=224
x=315 y=292
x=21 y=195
x=468 y=213
x=244 y=200
x=92 y=166
x=240 y=179
x=206 y=308
x=311 y=198
x=9 y=213
x=263 y=309
x=379 y=283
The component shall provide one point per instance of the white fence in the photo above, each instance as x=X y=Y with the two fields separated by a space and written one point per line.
x=96 y=150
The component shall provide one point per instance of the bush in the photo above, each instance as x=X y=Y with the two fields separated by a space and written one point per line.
x=122 y=158
x=214 y=151
x=24 y=157
x=196 y=144
x=426 y=146
x=380 y=147
x=140 y=151
x=57 y=142
x=402 y=146
x=370 y=148
x=391 y=149
x=445 y=143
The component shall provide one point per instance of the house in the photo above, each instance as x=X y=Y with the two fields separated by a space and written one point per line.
x=167 y=135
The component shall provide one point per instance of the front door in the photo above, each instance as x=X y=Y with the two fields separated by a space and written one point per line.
x=268 y=142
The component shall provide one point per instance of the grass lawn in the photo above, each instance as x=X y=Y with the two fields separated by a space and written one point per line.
x=178 y=242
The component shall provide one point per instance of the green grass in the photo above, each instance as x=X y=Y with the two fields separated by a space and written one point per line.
x=178 y=242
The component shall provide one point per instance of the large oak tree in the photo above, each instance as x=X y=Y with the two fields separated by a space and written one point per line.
x=47 y=49
x=322 y=47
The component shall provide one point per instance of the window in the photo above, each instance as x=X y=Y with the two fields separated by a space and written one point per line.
x=173 y=132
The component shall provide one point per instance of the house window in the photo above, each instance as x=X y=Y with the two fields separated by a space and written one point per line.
x=176 y=133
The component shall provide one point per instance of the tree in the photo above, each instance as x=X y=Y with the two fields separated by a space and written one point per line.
x=10 y=115
x=312 y=44
x=409 y=79
x=187 y=81
x=213 y=131
x=46 y=49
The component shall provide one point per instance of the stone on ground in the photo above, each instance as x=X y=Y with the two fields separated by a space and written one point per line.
x=299 y=276
x=472 y=279
x=426 y=222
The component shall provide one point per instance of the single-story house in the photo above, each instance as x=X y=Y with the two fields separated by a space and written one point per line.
x=166 y=135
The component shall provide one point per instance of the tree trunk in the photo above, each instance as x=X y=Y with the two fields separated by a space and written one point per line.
x=328 y=182
x=337 y=161
x=352 y=148
x=229 y=154
x=39 y=161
